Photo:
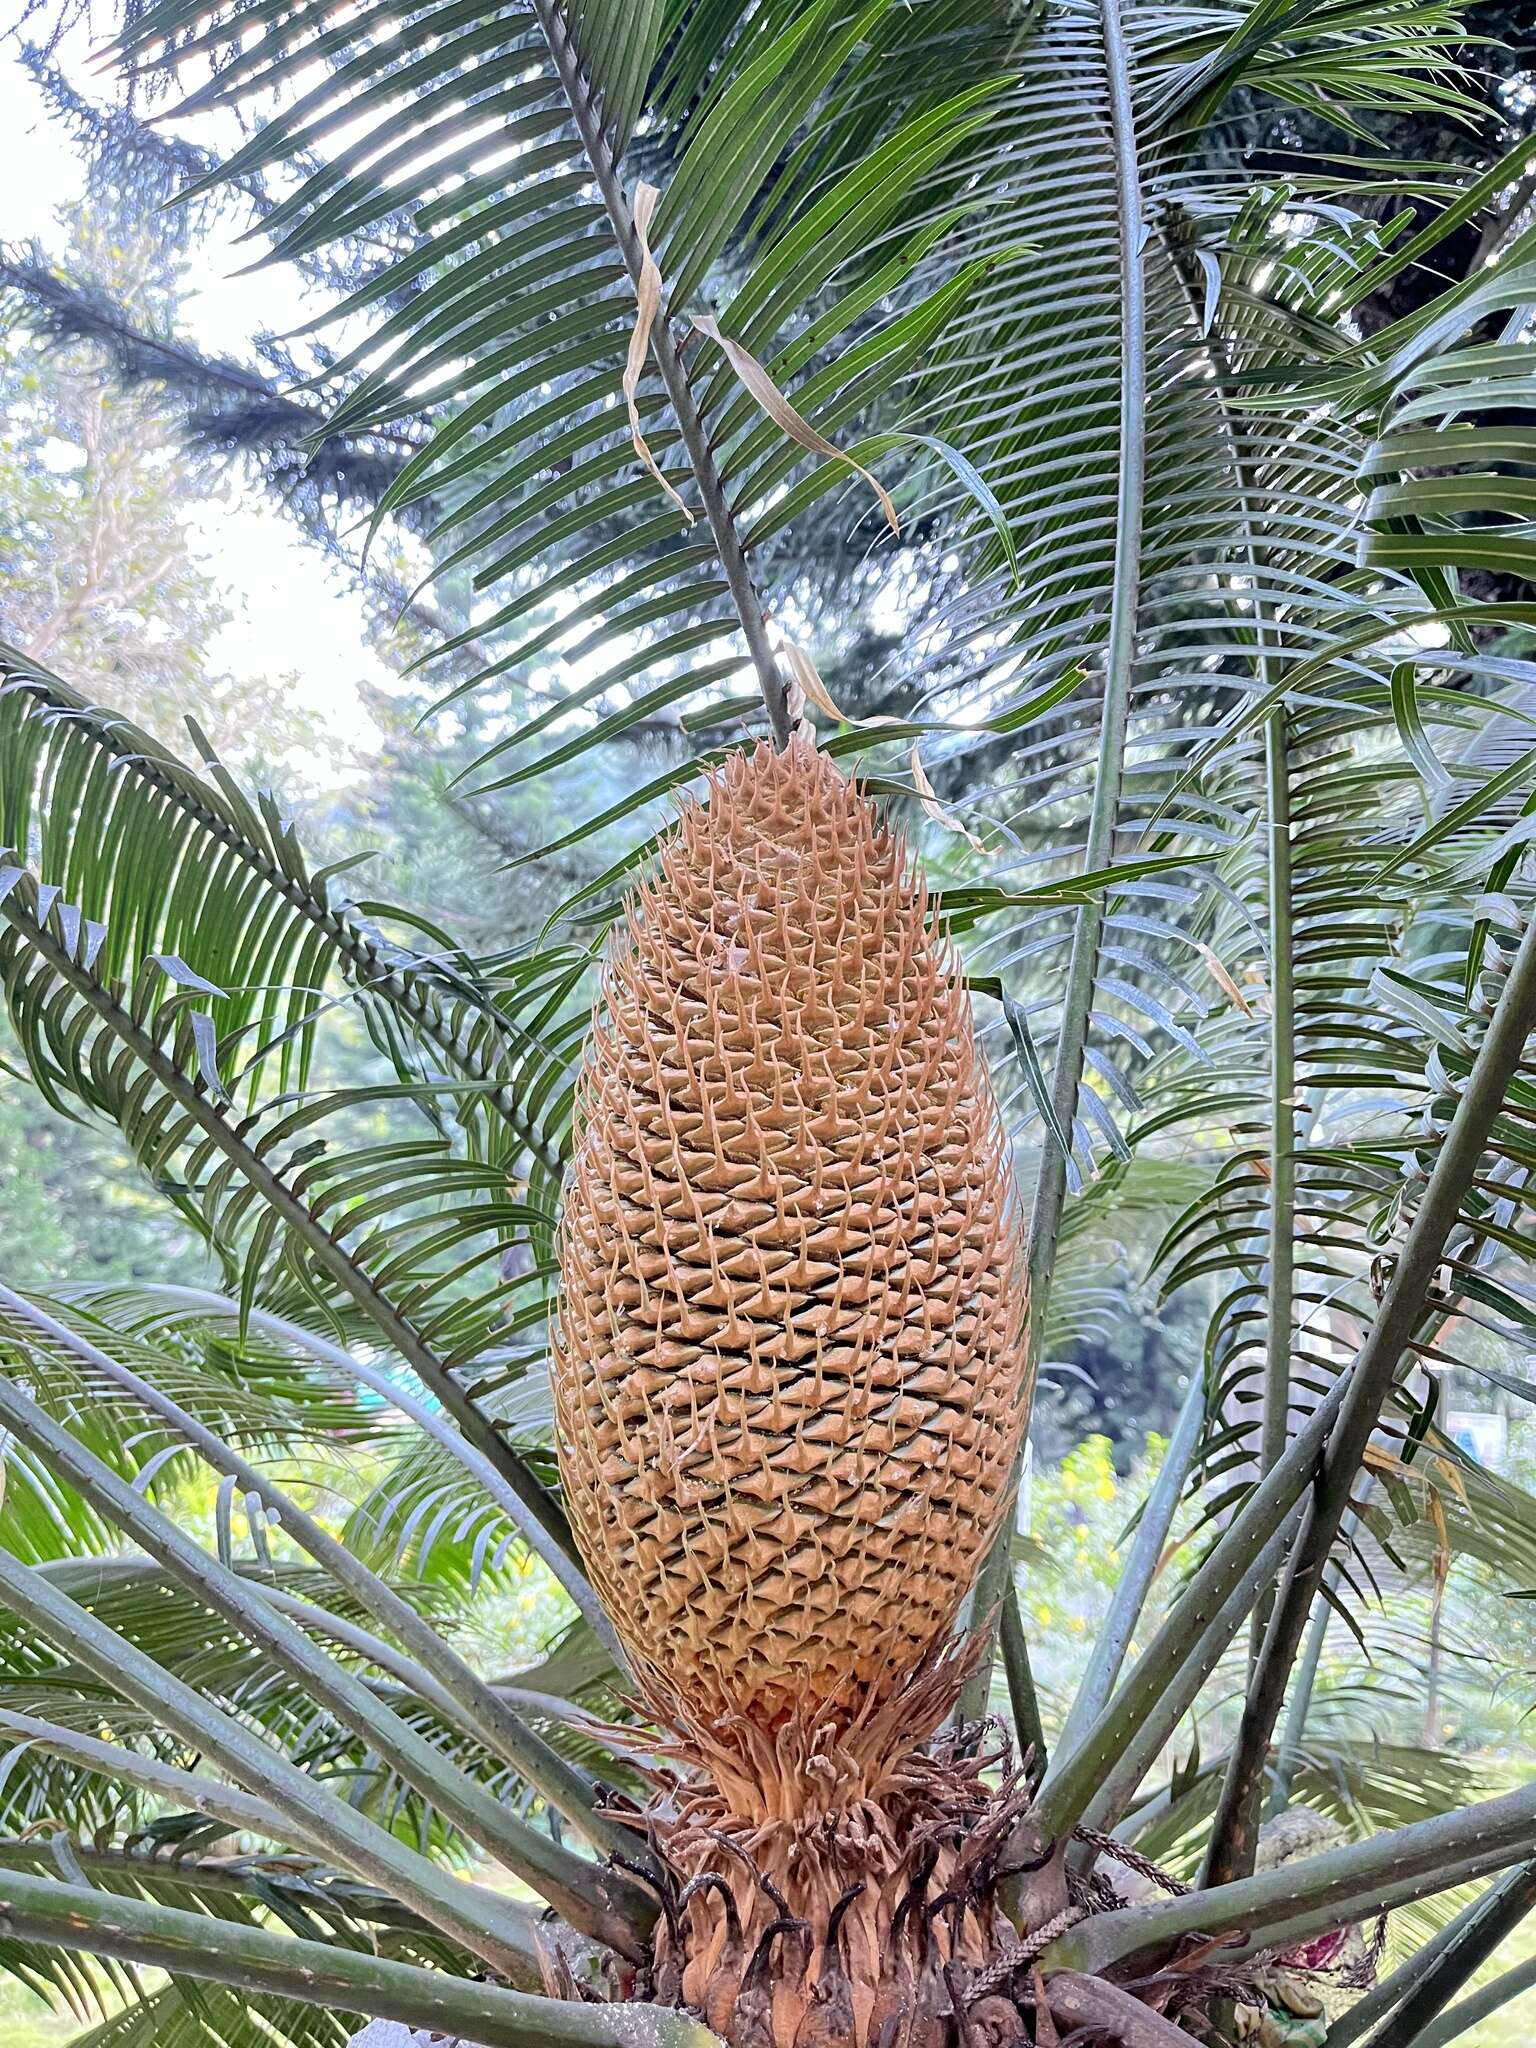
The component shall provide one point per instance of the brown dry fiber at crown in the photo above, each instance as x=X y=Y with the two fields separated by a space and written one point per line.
x=790 y=1361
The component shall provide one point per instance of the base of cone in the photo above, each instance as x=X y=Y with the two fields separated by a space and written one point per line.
x=891 y=1929
x=833 y=1929
x=848 y=1877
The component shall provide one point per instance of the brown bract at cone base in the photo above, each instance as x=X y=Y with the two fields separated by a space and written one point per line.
x=790 y=1377
x=827 y=1890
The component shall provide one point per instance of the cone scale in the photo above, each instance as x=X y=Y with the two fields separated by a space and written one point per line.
x=790 y=1375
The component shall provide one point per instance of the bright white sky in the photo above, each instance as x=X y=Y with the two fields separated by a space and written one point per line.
x=293 y=611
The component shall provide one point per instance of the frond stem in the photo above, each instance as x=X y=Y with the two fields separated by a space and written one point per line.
x=491 y=1928
x=1298 y=1901
x=1280 y=1300
x=594 y=1901
x=1280 y=1305
x=1229 y=1576
x=1139 y=1569
x=442 y=1677
x=1503 y=1909
x=428 y=1420
x=261 y=1963
x=695 y=439
x=1235 y=1832
x=1144 y=1738
x=1098 y=850
x=189 y=1791
x=1023 y=1698
x=1471 y=2012
x=314 y=1886
x=542 y=1521
x=1389 y=1993
x=1299 y=1704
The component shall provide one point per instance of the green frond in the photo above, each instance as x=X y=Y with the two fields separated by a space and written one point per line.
x=155 y=863
x=1187 y=626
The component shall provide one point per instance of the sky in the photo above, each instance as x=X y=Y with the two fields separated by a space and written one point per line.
x=293 y=611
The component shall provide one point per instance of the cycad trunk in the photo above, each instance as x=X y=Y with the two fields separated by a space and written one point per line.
x=790 y=1379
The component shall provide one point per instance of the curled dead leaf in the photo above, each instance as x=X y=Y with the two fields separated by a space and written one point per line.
x=757 y=381
x=931 y=804
x=1224 y=981
x=647 y=306
x=806 y=677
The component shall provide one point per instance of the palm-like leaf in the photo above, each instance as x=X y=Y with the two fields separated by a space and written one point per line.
x=1170 y=650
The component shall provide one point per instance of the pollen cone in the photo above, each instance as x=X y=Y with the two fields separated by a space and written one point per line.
x=790 y=1360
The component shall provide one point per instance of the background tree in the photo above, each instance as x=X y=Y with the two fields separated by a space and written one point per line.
x=102 y=568
x=103 y=572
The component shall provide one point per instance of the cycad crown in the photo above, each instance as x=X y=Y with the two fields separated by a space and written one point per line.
x=790 y=1361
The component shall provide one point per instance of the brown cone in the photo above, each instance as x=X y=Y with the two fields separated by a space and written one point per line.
x=790 y=1360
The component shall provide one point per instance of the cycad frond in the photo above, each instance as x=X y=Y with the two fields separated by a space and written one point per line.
x=1184 y=626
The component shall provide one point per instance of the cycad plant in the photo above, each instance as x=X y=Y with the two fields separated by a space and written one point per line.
x=1219 y=785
